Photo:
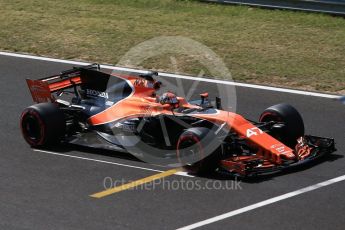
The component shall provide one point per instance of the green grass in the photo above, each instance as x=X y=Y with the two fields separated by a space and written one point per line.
x=283 y=48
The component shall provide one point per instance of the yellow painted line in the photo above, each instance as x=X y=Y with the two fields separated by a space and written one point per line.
x=135 y=183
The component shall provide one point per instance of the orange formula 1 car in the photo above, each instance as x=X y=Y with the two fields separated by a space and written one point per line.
x=88 y=107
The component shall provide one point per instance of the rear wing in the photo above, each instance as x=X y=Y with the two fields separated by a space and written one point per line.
x=41 y=90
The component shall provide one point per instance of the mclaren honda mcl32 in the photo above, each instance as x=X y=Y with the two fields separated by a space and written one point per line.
x=86 y=106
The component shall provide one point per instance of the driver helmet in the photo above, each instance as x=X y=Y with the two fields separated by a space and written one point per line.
x=168 y=98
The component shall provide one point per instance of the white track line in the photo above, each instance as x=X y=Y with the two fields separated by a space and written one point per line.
x=284 y=90
x=264 y=203
x=108 y=162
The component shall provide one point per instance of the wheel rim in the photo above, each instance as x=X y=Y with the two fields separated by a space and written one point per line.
x=32 y=128
x=189 y=146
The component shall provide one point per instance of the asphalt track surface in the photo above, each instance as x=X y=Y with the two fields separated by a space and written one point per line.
x=44 y=191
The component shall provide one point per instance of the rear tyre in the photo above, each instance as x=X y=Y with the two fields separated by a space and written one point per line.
x=193 y=148
x=42 y=124
x=293 y=122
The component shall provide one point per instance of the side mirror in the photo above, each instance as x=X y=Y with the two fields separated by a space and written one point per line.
x=342 y=99
x=204 y=98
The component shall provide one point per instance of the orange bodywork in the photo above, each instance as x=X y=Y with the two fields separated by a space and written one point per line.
x=64 y=84
x=41 y=90
x=142 y=102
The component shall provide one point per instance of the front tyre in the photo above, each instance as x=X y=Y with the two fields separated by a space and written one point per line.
x=193 y=150
x=42 y=124
x=290 y=117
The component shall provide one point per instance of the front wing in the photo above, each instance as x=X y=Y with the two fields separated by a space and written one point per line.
x=308 y=149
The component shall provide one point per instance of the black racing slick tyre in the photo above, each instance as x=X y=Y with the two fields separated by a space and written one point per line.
x=197 y=150
x=293 y=123
x=42 y=124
